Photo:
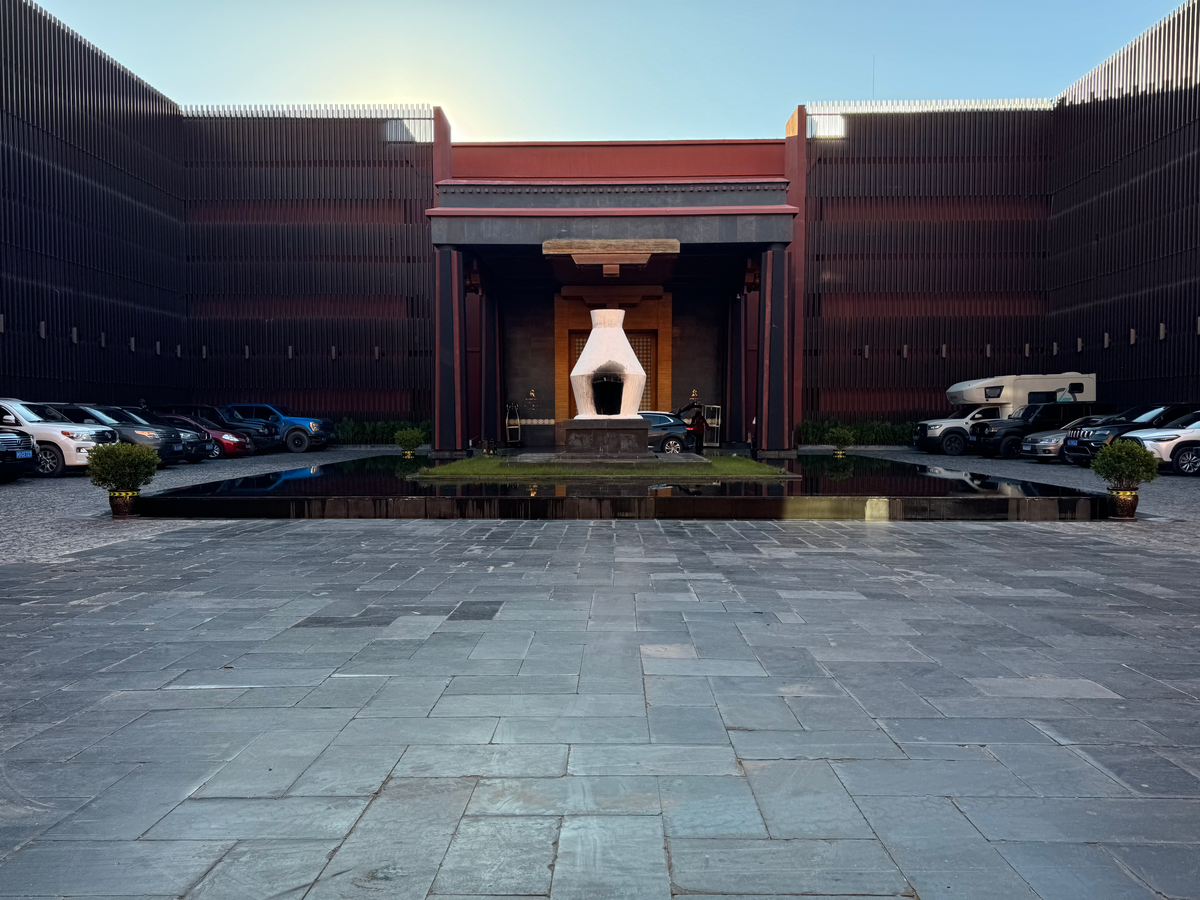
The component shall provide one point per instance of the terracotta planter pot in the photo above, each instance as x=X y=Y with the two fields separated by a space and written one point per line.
x=121 y=504
x=1124 y=504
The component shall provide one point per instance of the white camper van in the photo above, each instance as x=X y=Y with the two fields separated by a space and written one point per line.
x=996 y=398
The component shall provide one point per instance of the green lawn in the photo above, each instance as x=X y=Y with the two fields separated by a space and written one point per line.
x=501 y=468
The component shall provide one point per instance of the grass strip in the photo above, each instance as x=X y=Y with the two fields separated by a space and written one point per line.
x=501 y=468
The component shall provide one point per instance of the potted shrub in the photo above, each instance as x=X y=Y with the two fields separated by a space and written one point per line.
x=123 y=470
x=410 y=439
x=1124 y=465
x=841 y=437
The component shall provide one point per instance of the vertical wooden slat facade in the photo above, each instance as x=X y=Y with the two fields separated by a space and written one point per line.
x=149 y=252
x=1124 y=254
x=309 y=262
x=91 y=221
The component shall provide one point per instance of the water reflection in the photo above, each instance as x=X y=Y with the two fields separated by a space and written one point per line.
x=808 y=476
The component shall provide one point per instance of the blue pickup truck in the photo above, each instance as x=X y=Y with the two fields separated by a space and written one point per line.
x=300 y=433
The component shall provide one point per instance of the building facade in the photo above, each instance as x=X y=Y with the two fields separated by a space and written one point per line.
x=355 y=261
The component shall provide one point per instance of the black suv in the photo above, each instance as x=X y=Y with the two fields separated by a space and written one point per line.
x=263 y=435
x=1082 y=444
x=668 y=433
x=1003 y=436
x=129 y=426
x=16 y=454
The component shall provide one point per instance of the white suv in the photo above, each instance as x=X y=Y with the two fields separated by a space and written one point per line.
x=1177 y=443
x=60 y=442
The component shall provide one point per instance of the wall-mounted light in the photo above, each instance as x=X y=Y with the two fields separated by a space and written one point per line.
x=1054 y=349
x=289 y=351
x=1027 y=351
x=904 y=351
x=42 y=329
x=103 y=339
x=179 y=351
x=1106 y=340
x=989 y=351
x=2 y=323
x=333 y=352
x=247 y=351
x=866 y=351
x=1132 y=335
x=158 y=348
x=1078 y=345
x=1162 y=331
x=132 y=345
x=377 y=353
x=943 y=351
x=74 y=335
x=204 y=351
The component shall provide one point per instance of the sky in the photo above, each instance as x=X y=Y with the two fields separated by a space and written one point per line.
x=529 y=70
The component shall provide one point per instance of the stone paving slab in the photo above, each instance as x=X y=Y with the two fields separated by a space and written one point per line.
x=609 y=709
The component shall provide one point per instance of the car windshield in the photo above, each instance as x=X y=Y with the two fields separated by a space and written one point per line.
x=1025 y=412
x=1085 y=421
x=36 y=412
x=234 y=414
x=1137 y=414
x=205 y=423
x=150 y=418
x=961 y=412
x=1188 y=421
x=282 y=410
x=110 y=415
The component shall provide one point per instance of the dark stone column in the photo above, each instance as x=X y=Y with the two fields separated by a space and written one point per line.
x=450 y=354
x=492 y=380
x=774 y=408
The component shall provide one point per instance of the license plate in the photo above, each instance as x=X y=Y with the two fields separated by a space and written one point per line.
x=177 y=446
x=1026 y=447
x=208 y=446
x=974 y=438
x=24 y=454
x=1072 y=442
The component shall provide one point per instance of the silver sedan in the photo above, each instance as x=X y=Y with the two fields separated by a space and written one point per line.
x=1044 y=446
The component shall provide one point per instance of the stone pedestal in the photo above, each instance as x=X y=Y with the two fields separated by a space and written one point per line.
x=606 y=440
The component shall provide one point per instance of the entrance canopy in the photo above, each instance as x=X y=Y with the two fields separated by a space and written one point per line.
x=691 y=238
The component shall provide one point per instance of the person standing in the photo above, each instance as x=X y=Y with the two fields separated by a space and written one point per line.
x=699 y=426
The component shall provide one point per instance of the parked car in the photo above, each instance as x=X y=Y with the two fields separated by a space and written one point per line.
x=1045 y=446
x=1004 y=436
x=264 y=435
x=668 y=432
x=61 y=444
x=1083 y=443
x=197 y=445
x=1177 y=443
x=130 y=428
x=16 y=454
x=224 y=442
x=300 y=433
x=951 y=435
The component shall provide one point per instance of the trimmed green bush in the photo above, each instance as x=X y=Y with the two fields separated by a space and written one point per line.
x=122 y=467
x=841 y=437
x=353 y=431
x=1124 y=465
x=811 y=431
x=410 y=438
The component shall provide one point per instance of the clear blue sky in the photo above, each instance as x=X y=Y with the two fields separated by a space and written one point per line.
x=607 y=69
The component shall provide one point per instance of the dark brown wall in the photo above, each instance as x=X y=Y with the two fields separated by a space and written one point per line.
x=1125 y=225
x=91 y=231
x=309 y=232
x=923 y=229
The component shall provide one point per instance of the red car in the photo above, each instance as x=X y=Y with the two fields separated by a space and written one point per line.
x=225 y=443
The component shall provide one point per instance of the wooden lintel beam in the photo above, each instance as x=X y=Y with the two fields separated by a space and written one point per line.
x=569 y=247
x=610 y=259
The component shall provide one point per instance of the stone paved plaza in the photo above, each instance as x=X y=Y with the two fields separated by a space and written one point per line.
x=385 y=709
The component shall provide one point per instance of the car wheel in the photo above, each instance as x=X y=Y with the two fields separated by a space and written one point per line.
x=954 y=444
x=1186 y=461
x=297 y=441
x=50 y=462
x=217 y=451
x=672 y=445
x=1010 y=447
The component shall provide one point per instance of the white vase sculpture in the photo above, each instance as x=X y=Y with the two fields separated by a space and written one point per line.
x=608 y=380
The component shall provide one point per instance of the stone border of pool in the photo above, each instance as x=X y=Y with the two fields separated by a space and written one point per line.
x=872 y=509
